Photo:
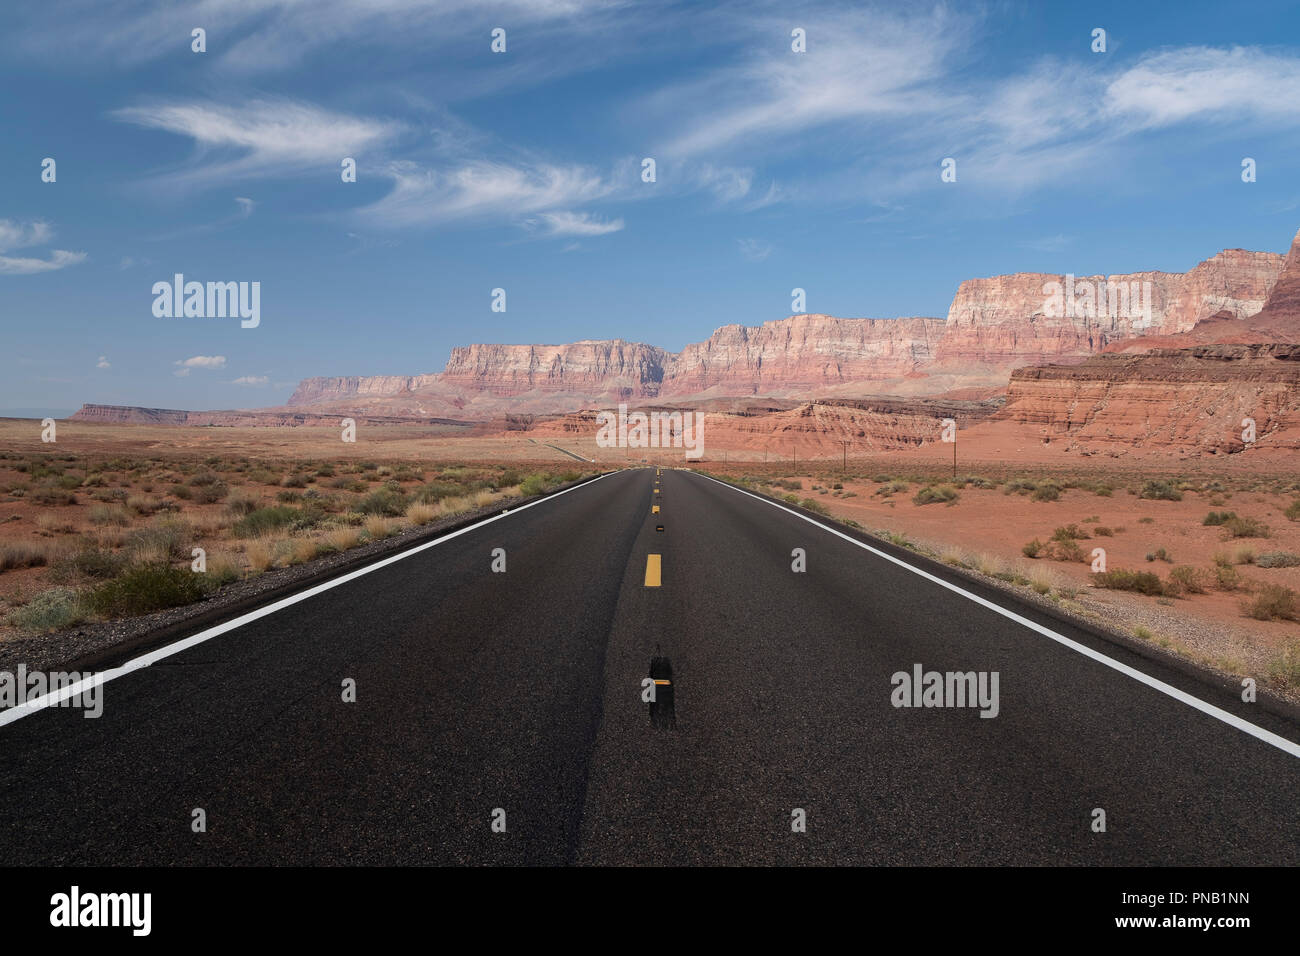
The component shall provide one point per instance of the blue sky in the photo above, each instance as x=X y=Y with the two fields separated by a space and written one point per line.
x=521 y=170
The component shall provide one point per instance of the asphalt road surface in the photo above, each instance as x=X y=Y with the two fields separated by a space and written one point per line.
x=516 y=699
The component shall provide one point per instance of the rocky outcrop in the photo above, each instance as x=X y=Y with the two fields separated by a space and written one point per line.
x=1006 y=322
x=312 y=391
x=615 y=368
x=993 y=326
x=1192 y=399
x=803 y=353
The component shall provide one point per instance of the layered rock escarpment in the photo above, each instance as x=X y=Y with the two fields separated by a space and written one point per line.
x=803 y=353
x=993 y=326
x=613 y=368
x=1193 y=399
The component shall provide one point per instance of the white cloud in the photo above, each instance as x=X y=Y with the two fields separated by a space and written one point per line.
x=103 y=362
x=860 y=64
x=251 y=380
x=17 y=235
x=59 y=259
x=483 y=188
x=577 y=224
x=269 y=35
x=261 y=137
x=245 y=206
x=755 y=250
x=198 y=361
x=1236 y=83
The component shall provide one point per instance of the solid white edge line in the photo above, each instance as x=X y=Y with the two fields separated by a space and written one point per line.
x=1232 y=720
x=27 y=708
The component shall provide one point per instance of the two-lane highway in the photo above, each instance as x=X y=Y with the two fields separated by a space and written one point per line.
x=522 y=692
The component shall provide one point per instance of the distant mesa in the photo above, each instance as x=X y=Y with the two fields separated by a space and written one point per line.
x=994 y=327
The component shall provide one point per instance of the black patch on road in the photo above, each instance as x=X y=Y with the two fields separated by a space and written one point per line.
x=659 y=527
x=663 y=713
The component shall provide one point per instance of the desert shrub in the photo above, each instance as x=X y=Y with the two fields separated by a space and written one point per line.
x=1120 y=579
x=1227 y=578
x=1217 y=518
x=94 y=563
x=24 y=554
x=51 y=610
x=222 y=569
x=147 y=588
x=1019 y=486
x=295 y=481
x=1186 y=579
x=1285 y=668
x=1067 y=550
x=534 y=484
x=1277 y=559
x=1293 y=510
x=263 y=521
x=240 y=505
x=892 y=488
x=109 y=515
x=789 y=484
x=1158 y=490
x=159 y=542
x=1047 y=491
x=183 y=492
x=325 y=470
x=935 y=494
x=51 y=495
x=1033 y=549
x=1236 y=527
x=1273 y=601
x=1070 y=532
x=1102 y=531
x=211 y=494
x=1160 y=554
x=814 y=506
x=145 y=506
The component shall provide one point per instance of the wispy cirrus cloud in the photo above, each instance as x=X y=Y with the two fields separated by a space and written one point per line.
x=486 y=188
x=1234 y=84
x=261 y=137
x=251 y=37
x=755 y=250
x=18 y=235
x=564 y=223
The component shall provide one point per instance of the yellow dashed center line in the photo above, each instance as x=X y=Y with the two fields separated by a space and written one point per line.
x=652 y=570
x=654 y=509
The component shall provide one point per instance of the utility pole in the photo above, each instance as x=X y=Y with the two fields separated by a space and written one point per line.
x=954 y=454
x=845 y=466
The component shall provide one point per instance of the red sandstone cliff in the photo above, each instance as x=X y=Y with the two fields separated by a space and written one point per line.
x=993 y=326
